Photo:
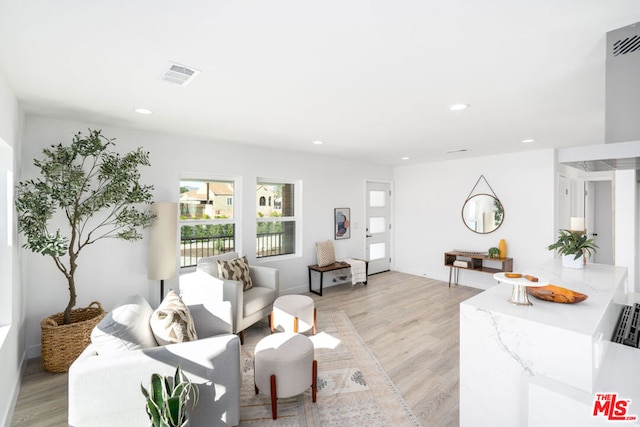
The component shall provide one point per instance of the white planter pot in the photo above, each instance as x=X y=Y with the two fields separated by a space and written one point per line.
x=568 y=261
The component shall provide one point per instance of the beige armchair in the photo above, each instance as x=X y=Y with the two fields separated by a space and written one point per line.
x=251 y=305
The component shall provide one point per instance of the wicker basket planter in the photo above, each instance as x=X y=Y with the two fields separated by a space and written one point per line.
x=62 y=344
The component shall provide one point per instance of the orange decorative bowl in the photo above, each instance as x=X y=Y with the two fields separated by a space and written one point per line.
x=556 y=294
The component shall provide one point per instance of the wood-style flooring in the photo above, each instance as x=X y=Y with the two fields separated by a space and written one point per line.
x=409 y=322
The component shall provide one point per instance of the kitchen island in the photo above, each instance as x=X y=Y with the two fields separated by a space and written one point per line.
x=545 y=364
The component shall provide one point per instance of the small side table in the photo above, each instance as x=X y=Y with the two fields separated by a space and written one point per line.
x=331 y=267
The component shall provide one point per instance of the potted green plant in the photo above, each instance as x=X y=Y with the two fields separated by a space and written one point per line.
x=573 y=246
x=494 y=252
x=167 y=398
x=77 y=182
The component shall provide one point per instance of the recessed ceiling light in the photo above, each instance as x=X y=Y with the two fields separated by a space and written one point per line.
x=318 y=142
x=528 y=141
x=406 y=158
x=142 y=111
x=458 y=107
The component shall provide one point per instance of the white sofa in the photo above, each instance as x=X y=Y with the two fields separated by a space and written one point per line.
x=248 y=306
x=104 y=389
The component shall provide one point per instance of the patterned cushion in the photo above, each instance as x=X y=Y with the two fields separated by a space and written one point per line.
x=171 y=322
x=236 y=269
x=325 y=253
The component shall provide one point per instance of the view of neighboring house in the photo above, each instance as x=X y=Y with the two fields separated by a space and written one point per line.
x=268 y=201
x=209 y=200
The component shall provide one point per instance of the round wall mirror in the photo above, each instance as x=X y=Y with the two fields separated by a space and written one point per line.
x=482 y=213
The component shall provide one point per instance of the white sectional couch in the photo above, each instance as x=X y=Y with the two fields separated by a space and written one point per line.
x=104 y=382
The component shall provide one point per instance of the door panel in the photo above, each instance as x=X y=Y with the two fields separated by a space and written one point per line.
x=599 y=219
x=378 y=226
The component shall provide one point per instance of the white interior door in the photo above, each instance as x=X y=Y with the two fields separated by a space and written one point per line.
x=378 y=226
x=599 y=219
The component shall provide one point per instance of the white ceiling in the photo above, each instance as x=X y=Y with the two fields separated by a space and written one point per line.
x=372 y=79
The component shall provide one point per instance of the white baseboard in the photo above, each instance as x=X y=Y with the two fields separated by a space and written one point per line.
x=15 y=392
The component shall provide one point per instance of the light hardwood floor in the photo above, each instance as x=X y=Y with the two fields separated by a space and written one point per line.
x=410 y=323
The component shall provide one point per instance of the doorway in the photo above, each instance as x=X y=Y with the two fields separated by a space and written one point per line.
x=378 y=226
x=598 y=203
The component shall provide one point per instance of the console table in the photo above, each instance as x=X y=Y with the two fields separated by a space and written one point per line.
x=331 y=267
x=475 y=261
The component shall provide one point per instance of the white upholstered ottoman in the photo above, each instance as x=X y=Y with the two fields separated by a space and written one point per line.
x=284 y=366
x=293 y=313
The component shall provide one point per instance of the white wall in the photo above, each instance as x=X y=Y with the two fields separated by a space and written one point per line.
x=626 y=223
x=428 y=205
x=113 y=269
x=12 y=340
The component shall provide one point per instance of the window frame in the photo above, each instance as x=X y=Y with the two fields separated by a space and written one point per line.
x=296 y=218
x=235 y=220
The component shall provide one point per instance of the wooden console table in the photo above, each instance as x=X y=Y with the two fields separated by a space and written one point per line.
x=331 y=267
x=475 y=262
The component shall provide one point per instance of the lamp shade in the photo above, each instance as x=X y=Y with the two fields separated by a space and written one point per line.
x=163 y=241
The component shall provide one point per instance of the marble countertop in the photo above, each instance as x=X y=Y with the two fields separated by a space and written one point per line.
x=603 y=284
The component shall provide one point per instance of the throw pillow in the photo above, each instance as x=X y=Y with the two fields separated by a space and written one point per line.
x=125 y=328
x=171 y=322
x=325 y=253
x=236 y=269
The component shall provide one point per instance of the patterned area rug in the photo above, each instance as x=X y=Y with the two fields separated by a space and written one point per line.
x=353 y=389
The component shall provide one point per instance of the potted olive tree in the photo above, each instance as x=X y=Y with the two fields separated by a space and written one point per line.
x=167 y=398
x=97 y=194
x=573 y=246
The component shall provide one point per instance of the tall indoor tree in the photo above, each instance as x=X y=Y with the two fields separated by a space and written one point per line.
x=98 y=193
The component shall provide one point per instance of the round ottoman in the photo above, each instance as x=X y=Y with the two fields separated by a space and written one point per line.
x=284 y=366
x=293 y=313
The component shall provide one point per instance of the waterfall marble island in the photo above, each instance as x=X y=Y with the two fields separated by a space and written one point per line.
x=544 y=364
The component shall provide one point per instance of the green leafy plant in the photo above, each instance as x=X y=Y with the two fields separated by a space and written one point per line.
x=494 y=252
x=76 y=183
x=167 y=399
x=573 y=243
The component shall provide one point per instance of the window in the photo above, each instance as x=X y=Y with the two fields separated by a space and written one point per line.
x=207 y=220
x=277 y=224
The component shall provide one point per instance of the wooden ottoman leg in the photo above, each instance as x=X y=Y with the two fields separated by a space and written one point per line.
x=295 y=325
x=314 y=321
x=315 y=379
x=271 y=321
x=274 y=398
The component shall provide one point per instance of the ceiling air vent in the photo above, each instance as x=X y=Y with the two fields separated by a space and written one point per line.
x=179 y=74
x=628 y=45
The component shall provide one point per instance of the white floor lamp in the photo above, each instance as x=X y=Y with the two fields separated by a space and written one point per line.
x=163 y=243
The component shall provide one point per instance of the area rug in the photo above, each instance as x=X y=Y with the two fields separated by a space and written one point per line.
x=352 y=389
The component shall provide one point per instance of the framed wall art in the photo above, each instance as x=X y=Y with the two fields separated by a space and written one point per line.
x=342 y=221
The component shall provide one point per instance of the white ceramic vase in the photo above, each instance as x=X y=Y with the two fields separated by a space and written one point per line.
x=568 y=261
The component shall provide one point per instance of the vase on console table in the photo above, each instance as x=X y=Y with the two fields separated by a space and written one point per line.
x=502 y=247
